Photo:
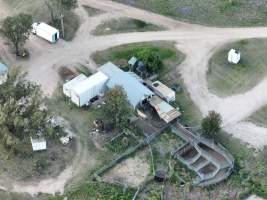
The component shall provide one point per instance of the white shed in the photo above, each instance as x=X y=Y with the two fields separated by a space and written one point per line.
x=67 y=87
x=234 y=56
x=88 y=89
x=45 y=31
x=3 y=73
x=163 y=91
x=38 y=144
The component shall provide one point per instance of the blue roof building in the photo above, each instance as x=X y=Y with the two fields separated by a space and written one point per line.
x=3 y=68
x=133 y=87
x=3 y=73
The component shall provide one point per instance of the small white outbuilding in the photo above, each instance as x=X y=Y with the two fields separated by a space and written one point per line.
x=234 y=56
x=67 y=87
x=89 y=88
x=3 y=73
x=38 y=144
x=45 y=31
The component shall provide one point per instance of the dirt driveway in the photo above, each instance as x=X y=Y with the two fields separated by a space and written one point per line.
x=197 y=42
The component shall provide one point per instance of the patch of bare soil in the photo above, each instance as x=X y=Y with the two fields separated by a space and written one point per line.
x=132 y=172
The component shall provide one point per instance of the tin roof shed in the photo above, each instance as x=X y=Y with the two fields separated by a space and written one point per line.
x=38 y=144
x=132 y=61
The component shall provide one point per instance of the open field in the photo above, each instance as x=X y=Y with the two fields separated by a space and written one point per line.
x=36 y=166
x=124 y=25
x=226 y=79
x=208 y=12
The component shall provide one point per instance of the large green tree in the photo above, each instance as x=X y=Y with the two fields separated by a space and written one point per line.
x=117 y=107
x=17 y=29
x=21 y=115
x=211 y=124
x=151 y=60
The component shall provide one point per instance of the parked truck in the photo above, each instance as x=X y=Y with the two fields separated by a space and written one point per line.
x=45 y=31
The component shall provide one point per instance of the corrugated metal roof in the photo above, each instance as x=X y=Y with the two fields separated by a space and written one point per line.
x=164 y=110
x=75 y=81
x=134 y=89
x=132 y=61
x=110 y=70
x=38 y=144
x=93 y=80
x=3 y=68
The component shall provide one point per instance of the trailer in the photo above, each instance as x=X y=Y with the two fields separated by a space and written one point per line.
x=91 y=87
x=67 y=87
x=163 y=91
x=45 y=31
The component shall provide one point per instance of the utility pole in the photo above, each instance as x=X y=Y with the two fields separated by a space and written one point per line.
x=62 y=25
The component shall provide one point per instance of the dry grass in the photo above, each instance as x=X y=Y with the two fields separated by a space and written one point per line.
x=40 y=12
x=225 y=79
x=208 y=12
x=124 y=25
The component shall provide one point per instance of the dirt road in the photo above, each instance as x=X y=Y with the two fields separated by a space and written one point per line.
x=197 y=42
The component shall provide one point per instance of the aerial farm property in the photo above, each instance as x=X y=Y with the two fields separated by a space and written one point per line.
x=133 y=100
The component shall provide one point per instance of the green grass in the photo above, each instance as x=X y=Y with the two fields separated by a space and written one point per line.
x=96 y=190
x=162 y=148
x=249 y=168
x=124 y=25
x=259 y=117
x=82 y=69
x=36 y=8
x=92 y=11
x=120 y=55
x=226 y=79
x=122 y=143
x=15 y=196
x=208 y=12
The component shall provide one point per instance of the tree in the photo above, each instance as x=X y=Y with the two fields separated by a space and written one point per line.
x=211 y=124
x=17 y=29
x=117 y=107
x=21 y=115
x=151 y=59
x=57 y=9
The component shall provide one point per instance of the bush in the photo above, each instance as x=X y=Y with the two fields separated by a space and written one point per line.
x=40 y=165
x=151 y=60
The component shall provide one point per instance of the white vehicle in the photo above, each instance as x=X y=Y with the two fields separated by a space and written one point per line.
x=45 y=31
x=88 y=89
